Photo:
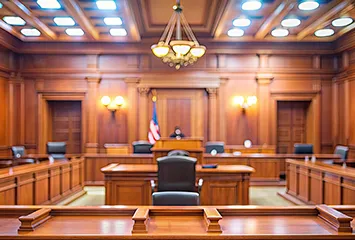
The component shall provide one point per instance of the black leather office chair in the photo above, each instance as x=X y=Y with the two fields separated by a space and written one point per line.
x=176 y=174
x=56 y=150
x=18 y=152
x=176 y=199
x=142 y=147
x=300 y=148
x=178 y=153
x=342 y=151
x=218 y=146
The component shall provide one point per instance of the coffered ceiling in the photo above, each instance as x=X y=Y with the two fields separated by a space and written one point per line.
x=145 y=20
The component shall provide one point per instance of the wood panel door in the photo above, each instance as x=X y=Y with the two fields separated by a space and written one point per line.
x=66 y=124
x=291 y=124
x=184 y=108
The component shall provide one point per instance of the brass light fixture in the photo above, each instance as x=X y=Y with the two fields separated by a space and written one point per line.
x=114 y=105
x=178 y=52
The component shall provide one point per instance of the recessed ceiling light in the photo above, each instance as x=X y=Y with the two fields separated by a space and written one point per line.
x=51 y=4
x=64 y=21
x=74 y=32
x=326 y=32
x=118 y=32
x=291 y=22
x=252 y=5
x=30 y=32
x=280 y=32
x=341 y=22
x=235 y=32
x=241 y=22
x=12 y=20
x=113 y=21
x=308 y=5
x=106 y=4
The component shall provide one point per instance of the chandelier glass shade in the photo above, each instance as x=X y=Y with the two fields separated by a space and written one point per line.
x=178 y=52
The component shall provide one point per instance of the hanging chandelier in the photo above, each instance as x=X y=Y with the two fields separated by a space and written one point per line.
x=178 y=52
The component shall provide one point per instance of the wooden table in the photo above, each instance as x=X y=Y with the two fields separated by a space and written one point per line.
x=129 y=184
x=42 y=183
x=147 y=222
x=316 y=183
x=268 y=167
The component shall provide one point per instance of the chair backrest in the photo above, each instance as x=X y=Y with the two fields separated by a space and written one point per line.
x=57 y=150
x=176 y=173
x=179 y=153
x=300 y=148
x=18 y=151
x=176 y=199
x=142 y=147
x=218 y=146
x=342 y=151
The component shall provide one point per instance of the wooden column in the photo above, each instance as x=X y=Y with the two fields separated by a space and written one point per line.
x=92 y=128
x=335 y=112
x=346 y=64
x=212 y=114
x=132 y=108
x=222 y=110
x=16 y=110
x=143 y=113
x=264 y=124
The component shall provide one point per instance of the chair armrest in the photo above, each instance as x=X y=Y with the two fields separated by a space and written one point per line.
x=199 y=185
x=153 y=185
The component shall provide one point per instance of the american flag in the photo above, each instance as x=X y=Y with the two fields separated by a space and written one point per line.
x=154 y=134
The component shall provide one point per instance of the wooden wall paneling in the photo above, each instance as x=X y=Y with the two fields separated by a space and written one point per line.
x=352 y=113
x=335 y=115
x=30 y=116
x=264 y=81
x=222 y=110
x=41 y=187
x=112 y=126
x=92 y=124
x=132 y=109
x=143 y=112
x=4 y=117
x=326 y=118
x=8 y=191
x=341 y=122
x=25 y=186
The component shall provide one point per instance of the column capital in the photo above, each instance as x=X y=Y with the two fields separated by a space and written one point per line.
x=212 y=91
x=15 y=77
x=93 y=79
x=134 y=80
x=223 y=80
x=143 y=90
x=264 y=78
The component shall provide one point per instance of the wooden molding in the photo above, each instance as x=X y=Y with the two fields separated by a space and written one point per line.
x=33 y=220
x=337 y=220
x=264 y=78
x=140 y=219
x=133 y=80
x=93 y=79
x=212 y=217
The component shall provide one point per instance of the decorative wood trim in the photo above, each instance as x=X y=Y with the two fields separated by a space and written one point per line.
x=337 y=220
x=212 y=217
x=212 y=113
x=33 y=220
x=140 y=219
x=143 y=112
x=132 y=113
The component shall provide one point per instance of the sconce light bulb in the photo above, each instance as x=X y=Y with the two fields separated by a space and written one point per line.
x=251 y=100
x=119 y=101
x=105 y=100
x=238 y=100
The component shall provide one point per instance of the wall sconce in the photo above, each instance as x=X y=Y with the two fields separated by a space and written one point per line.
x=114 y=105
x=245 y=102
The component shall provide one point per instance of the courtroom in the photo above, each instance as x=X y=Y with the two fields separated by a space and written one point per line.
x=177 y=119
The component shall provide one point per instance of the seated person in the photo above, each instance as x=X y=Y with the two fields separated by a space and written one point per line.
x=177 y=133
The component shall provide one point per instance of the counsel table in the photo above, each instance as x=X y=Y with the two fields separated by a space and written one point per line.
x=201 y=222
x=129 y=184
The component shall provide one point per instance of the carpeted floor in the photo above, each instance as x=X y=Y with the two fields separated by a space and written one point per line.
x=263 y=196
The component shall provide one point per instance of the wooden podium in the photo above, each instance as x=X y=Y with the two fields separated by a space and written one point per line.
x=193 y=145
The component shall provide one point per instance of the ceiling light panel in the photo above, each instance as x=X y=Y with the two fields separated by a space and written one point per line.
x=308 y=5
x=235 y=32
x=326 y=32
x=241 y=22
x=118 y=32
x=106 y=5
x=49 y=4
x=75 y=32
x=291 y=22
x=251 y=5
x=280 y=32
x=342 y=22
x=30 y=32
x=13 y=20
x=64 y=21
x=113 y=21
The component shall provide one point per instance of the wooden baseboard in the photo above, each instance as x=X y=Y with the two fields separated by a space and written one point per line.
x=94 y=183
x=268 y=183
x=291 y=198
x=72 y=197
